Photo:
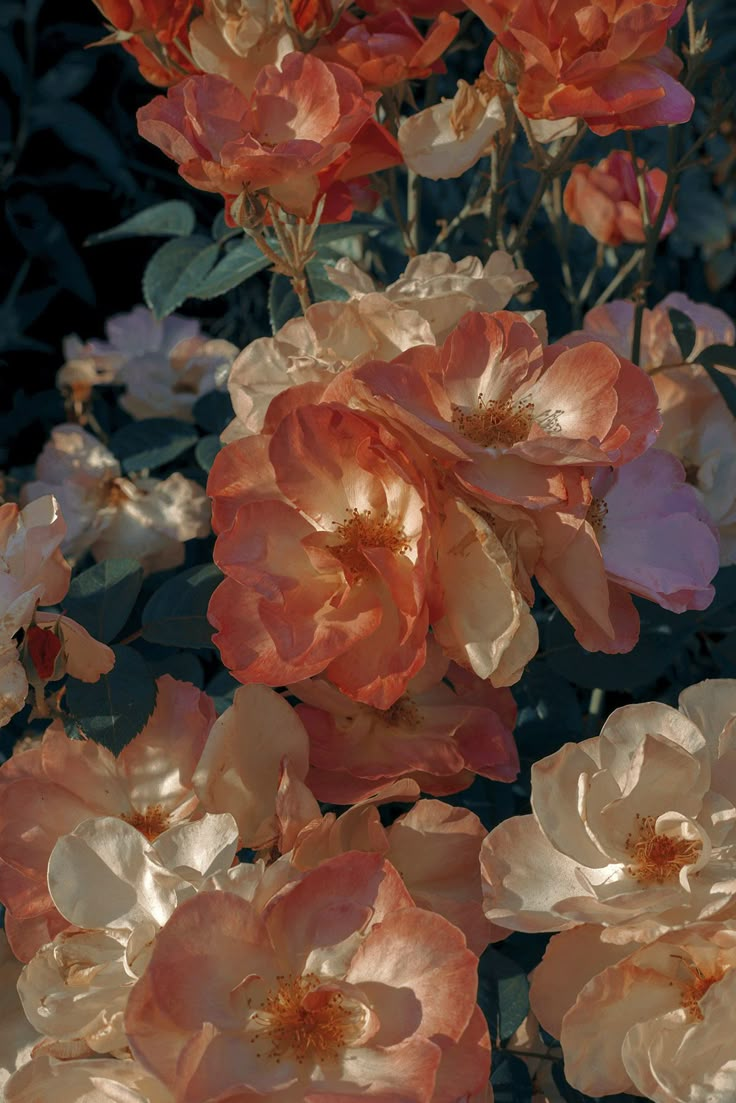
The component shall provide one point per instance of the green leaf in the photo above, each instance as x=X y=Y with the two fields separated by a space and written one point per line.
x=175 y=218
x=206 y=451
x=337 y=231
x=242 y=261
x=684 y=331
x=503 y=993
x=113 y=710
x=321 y=286
x=213 y=411
x=283 y=303
x=176 y=271
x=176 y=615
x=510 y=1079
x=102 y=598
x=150 y=443
x=715 y=358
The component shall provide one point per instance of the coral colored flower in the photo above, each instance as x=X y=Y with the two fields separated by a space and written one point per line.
x=606 y=62
x=435 y=732
x=387 y=48
x=513 y=420
x=634 y=830
x=101 y=1079
x=164 y=366
x=330 y=336
x=62 y=782
x=324 y=541
x=637 y=530
x=147 y=519
x=654 y=1021
x=340 y=985
x=606 y=199
x=442 y=290
x=445 y=140
x=154 y=32
x=307 y=127
x=32 y=572
x=417 y=9
x=697 y=426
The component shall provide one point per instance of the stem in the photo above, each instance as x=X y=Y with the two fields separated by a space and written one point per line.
x=619 y=278
x=413 y=201
x=546 y=174
x=588 y=282
x=399 y=215
x=652 y=235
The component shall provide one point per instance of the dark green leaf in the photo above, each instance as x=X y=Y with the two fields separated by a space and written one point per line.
x=283 y=303
x=712 y=359
x=11 y=63
x=242 y=261
x=503 y=993
x=176 y=614
x=206 y=451
x=81 y=133
x=113 y=710
x=321 y=286
x=337 y=231
x=150 y=443
x=684 y=331
x=176 y=271
x=182 y=665
x=68 y=78
x=213 y=411
x=175 y=218
x=102 y=598
x=510 y=1079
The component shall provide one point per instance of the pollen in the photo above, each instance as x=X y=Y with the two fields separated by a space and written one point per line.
x=655 y=858
x=152 y=822
x=361 y=529
x=693 y=992
x=300 y=1022
x=495 y=424
x=402 y=714
x=596 y=515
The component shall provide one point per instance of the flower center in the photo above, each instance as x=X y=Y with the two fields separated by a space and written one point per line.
x=658 y=858
x=301 y=1019
x=362 y=530
x=495 y=424
x=693 y=992
x=596 y=515
x=402 y=714
x=151 y=823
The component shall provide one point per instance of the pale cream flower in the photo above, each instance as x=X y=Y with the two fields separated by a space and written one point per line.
x=443 y=141
x=144 y=518
x=331 y=336
x=117 y=890
x=442 y=290
x=237 y=38
x=655 y=1019
x=96 y=1080
x=634 y=830
x=17 y=1036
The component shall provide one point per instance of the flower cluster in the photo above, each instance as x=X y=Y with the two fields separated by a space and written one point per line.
x=630 y=853
x=370 y=493
x=345 y=965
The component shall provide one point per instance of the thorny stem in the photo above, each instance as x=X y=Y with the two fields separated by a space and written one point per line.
x=620 y=276
x=553 y=206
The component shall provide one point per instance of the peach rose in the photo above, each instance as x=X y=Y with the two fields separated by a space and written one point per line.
x=387 y=48
x=441 y=734
x=145 y=518
x=323 y=536
x=634 y=830
x=606 y=62
x=306 y=130
x=237 y=38
x=606 y=199
x=62 y=782
x=653 y=1021
x=339 y=985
